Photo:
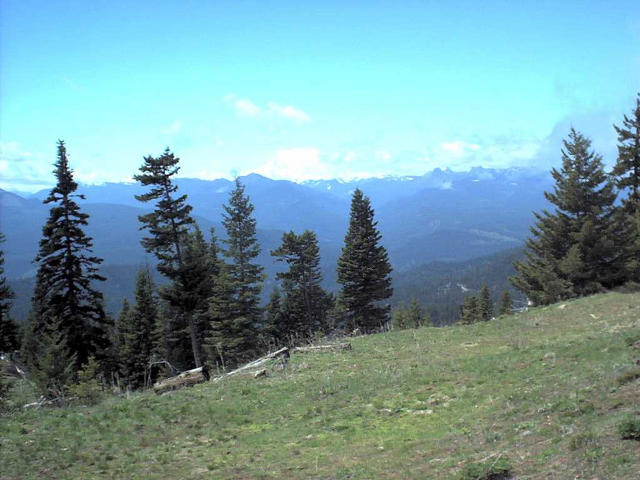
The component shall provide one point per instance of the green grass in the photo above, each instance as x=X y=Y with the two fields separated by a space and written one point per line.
x=539 y=389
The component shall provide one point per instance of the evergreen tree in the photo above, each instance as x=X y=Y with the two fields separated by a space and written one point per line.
x=53 y=368
x=627 y=176
x=8 y=328
x=29 y=342
x=506 y=304
x=169 y=226
x=337 y=318
x=364 y=269
x=471 y=311
x=234 y=306
x=573 y=251
x=399 y=320
x=485 y=305
x=191 y=292
x=161 y=335
x=627 y=168
x=273 y=318
x=306 y=303
x=64 y=294
x=120 y=330
x=416 y=316
x=412 y=316
x=138 y=331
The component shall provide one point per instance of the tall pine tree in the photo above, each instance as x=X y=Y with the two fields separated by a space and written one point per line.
x=471 y=311
x=138 y=338
x=573 y=250
x=364 y=269
x=191 y=292
x=64 y=294
x=306 y=303
x=485 y=304
x=627 y=177
x=273 y=318
x=8 y=328
x=169 y=225
x=506 y=304
x=234 y=308
x=627 y=168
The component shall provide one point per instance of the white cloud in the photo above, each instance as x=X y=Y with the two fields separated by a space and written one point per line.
x=296 y=164
x=288 y=111
x=242 y=106
x=459 y=147
x=246 y=107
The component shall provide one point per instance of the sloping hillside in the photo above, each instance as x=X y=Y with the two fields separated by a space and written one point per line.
x=544 y=389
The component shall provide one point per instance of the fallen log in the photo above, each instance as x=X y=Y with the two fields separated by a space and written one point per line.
x=42 y=402
x=184 y=379
x=322 y=348
x=283 y=352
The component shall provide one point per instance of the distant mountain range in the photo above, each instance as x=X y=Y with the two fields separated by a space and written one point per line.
x=441 y=216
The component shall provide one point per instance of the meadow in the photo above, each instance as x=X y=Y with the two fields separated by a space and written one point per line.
x=542 y=393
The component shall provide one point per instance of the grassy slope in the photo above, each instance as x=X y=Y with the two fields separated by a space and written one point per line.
x=539 y=388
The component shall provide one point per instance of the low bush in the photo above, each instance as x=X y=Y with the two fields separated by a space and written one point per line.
x=629 y=428
x=491 y=469
x=88 y=390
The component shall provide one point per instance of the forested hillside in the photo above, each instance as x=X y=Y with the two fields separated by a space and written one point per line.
x=441 y=216
x=441 y=287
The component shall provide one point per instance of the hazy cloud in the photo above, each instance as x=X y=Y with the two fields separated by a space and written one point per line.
x=296 y=164
x=288 y=111
x=173 y=128
x=21 y=170
x=244 y=107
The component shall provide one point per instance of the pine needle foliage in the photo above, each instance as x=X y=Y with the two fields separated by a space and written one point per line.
x=9 y=336
x=67 y=269
x=169 y=226
x=573 y=250
x=364 y=269
x=627 y=177
x=171 y=220
x=627 y=168
x=506 y=304
x=305 y=303
x=234 y=308
x=138 y=344
x=471 y=311
x=485 y=304
x=53 y=369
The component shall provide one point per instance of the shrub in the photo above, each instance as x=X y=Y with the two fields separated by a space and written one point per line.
x=631 y=338
x=629 y=428
x=88 y=389
x=53 y=371
x=629 y=287
x=491 y=469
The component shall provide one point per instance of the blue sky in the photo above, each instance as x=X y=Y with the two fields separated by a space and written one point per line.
x=303 y=90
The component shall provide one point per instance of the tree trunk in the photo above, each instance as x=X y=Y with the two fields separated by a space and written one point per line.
x=188 y=378
x=195 y=346
x=283 y=352
x=322 y=348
